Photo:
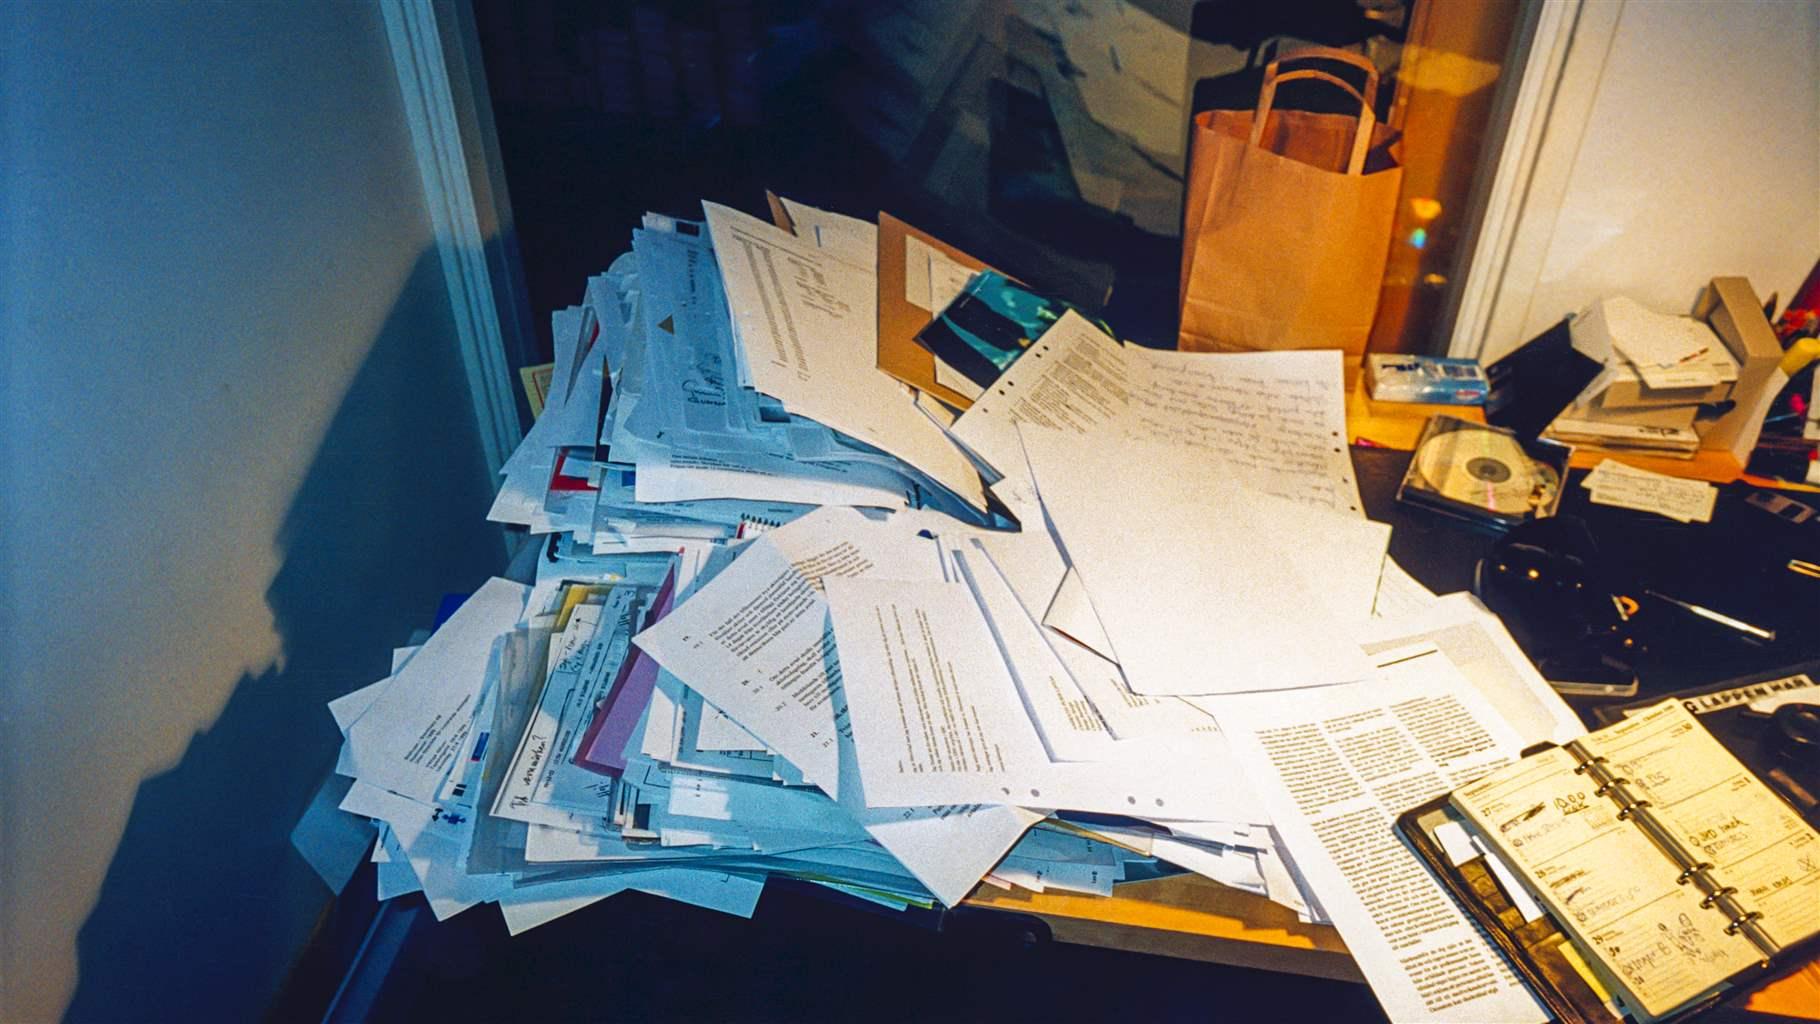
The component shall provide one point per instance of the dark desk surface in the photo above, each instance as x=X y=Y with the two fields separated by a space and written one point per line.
x=1736 y=564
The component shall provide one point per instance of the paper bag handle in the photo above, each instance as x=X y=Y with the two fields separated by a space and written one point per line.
x=1336 y=55
x=1361 y=139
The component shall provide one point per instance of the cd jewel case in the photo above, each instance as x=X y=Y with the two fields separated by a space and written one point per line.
x=1484 y=474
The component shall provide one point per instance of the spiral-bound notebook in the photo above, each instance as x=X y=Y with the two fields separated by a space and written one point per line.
x=1640 y=872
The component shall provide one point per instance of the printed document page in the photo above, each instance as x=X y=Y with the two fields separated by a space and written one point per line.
x=1072 y=379
x=1479 y=646
x=756 y=642
x=1335 y=767
x=409 y=739
x=936 y=718
x=1071 y=729
x=808 y=322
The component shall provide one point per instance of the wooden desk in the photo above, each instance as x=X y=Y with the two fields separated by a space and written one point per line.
x=1185 y=916
x=1196 y=918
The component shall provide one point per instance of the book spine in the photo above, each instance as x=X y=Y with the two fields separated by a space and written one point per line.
x=1717 y=895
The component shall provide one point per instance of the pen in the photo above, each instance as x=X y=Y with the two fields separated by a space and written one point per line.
x=1708 y=614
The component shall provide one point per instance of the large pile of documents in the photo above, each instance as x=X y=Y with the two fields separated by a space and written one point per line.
x=1123 y=615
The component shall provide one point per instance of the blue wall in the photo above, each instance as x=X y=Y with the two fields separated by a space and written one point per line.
x=239 y=463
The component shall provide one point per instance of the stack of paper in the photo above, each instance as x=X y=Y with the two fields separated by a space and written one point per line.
x=1658 y=371
x=1177 y=641
x=670 y=421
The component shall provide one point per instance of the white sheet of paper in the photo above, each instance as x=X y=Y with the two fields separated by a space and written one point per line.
x=719 y=732
x=1194 y=596
x=1479 y=646
x=689 y=476
x=808 y=323
x=916 y=274
x=1341 y=556
x=1071 y=614
x=1030 y=559
x=1130 y=716
x=1652 y=340
x=934 y=713
x=931 y=279
x=346 y=710
x=1225 y=865
x=947 y=279
x=1514 y=889
x=396 y=877
x=1399 y=593
x=1614 y=483
x=576 y=422
x=410 y=736
x=847 y=238
x=1071 y=729
x=544 y=784
x=756 y=642
x=1334 y=774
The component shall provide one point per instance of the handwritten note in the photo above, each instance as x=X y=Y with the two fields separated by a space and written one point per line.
x=1277 y=418
x=1605 y=881
x=1721 y=814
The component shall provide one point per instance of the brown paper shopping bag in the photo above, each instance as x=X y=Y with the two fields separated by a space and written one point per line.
x=1288 y=219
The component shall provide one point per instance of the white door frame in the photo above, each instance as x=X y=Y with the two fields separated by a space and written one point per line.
x=1552 y=107
x=436 y=54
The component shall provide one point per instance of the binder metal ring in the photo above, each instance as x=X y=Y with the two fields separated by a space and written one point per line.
x=1608 y=785
x=1735 y=926
x=1624 y=813
x=1716 y=895
x=1682 y=878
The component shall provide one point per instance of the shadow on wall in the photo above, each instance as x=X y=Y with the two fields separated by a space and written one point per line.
x=206 y=904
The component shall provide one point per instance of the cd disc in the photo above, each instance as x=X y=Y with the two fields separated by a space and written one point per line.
x=1480 y=468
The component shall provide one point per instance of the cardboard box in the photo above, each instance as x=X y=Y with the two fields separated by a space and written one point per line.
x=1620 y=386
x=1735 y=313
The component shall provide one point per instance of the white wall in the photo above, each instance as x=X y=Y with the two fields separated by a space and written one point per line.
x=1701 y=158
x=239 y=463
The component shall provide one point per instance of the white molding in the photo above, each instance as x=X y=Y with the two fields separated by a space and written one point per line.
x=436 y=120
x=1549 y=118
